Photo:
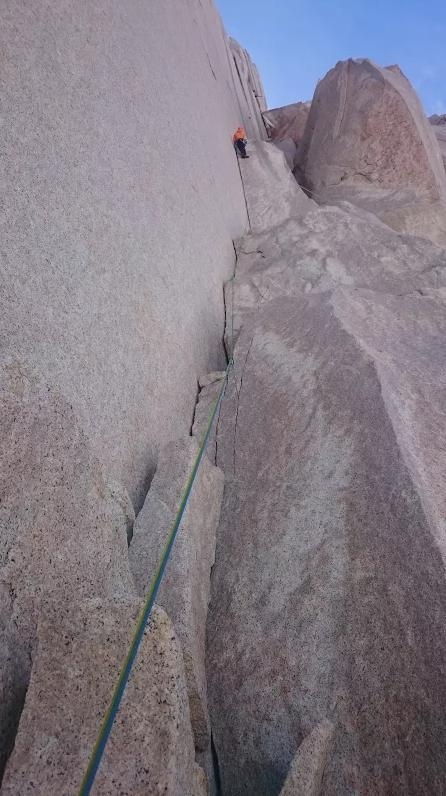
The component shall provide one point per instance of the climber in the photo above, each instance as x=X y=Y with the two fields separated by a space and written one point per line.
x=240 y=141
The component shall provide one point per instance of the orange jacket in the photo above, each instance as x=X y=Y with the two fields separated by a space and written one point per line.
x=239 y=134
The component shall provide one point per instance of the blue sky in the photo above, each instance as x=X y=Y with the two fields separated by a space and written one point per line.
x=295 y=42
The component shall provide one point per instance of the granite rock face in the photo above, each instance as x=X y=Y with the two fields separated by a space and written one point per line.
x=210 y=387
x=150 y=749
x=366 y=124
x=289 y=149
x=286 y=127
x=326 y=638
x=325 y=248
x=437 y=119
x=65 y=571
x=249 y=90
x=439 y=127
x=329 y=592
x=64 y=533
x=288 y=121
x=185 y=590
x=367 y=141
x=273 y=194
x=307 y=769
x=103 y=158
x=107 y=318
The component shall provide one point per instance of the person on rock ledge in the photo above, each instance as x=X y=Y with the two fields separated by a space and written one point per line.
x=240 y=141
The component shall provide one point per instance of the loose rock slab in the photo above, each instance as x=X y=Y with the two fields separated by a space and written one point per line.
x=210 y=387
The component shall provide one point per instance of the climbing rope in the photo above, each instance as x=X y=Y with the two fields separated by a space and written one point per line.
x=124 y=674
x=244 y=193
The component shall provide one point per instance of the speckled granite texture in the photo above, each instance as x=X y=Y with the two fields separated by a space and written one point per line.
x=123 y=197
x=150 y=750
x=328 y=593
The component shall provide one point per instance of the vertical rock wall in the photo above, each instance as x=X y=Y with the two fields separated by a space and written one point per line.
x=122 y=196
x=249 y=89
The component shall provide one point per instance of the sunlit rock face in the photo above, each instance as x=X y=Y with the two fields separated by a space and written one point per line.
x=368 y=141
x=326 y=635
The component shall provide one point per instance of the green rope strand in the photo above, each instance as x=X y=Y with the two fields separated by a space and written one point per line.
x=124 y=674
